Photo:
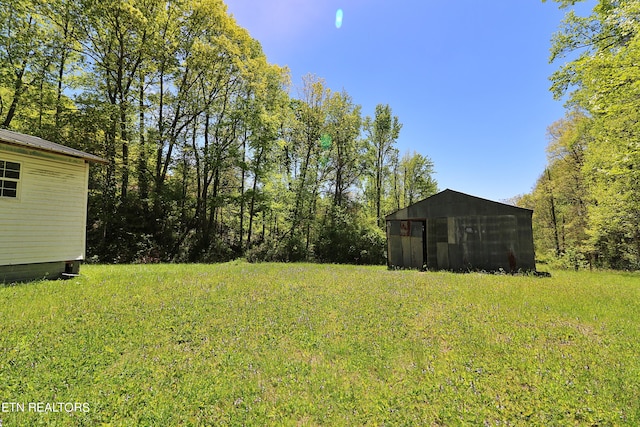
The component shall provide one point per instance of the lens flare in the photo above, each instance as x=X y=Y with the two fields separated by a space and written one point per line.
x=339 y=15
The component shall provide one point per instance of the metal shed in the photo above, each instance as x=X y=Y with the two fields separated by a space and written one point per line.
x=455 y=231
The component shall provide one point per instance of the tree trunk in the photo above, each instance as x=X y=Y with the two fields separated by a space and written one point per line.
x=553 y=215
x=18 y=90
x=379 y=188
x=253 y=199
x=124 y=135
x=243 y=173
x=143 y=182
x=299 y=193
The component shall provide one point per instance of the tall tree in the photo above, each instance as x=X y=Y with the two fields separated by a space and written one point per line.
x=602 y=81
x=266 y=123
x=417 y=180
x=343 y=128
x=569 y=140
x=25 y=57
x=560 y=200
x=382 y=131
x=115 y=37
x=310 y=116
x=191 y=82
x=62 y=17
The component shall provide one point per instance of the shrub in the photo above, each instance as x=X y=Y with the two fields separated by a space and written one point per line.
x=292 y=249
x=347 y=239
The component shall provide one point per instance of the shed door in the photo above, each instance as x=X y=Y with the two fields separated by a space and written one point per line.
x=413 y=243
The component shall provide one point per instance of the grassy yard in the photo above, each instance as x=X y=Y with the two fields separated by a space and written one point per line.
x=302 y=344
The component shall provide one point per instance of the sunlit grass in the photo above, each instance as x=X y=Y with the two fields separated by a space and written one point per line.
x=302 y=344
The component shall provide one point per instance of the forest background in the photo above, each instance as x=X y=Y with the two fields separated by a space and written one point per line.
x=214 y=154
x=587 y=201
x=209 y=156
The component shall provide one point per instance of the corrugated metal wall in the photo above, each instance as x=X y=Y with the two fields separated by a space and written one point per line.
x=406 y=243
x=480 y=242
x=462 y=232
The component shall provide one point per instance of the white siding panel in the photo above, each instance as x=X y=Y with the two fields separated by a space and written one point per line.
x=47 y=221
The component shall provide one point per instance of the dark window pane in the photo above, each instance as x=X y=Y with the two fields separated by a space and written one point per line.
x=9 y=170
x=8 y=189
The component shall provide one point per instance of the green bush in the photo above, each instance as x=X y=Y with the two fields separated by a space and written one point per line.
x=570 y=259
x=292 y=249
x=347 y=239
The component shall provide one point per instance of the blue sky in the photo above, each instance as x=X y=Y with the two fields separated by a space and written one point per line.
x=467 y=79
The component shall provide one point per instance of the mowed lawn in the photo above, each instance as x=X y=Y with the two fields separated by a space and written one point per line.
x=304 y=344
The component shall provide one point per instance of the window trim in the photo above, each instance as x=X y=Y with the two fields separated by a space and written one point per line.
x=3 y=179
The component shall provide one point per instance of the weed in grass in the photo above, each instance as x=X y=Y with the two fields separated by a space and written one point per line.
x=300 y=344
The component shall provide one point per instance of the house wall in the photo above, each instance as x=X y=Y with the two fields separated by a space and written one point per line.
x=39 y=271
x=46 y=222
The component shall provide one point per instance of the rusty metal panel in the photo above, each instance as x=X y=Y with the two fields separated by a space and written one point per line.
x=405 y=228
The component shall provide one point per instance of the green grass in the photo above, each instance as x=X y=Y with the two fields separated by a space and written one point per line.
x=301 y=344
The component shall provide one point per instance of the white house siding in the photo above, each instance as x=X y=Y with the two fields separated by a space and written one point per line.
x=46 y=222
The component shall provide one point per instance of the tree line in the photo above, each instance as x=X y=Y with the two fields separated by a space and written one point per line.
x=587 y=202
x=210 y=156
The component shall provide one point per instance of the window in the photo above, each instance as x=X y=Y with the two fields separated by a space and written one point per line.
x=9 y=177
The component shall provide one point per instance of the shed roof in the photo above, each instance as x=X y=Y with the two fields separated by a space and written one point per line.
x=453 y=203
x=22 y=140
